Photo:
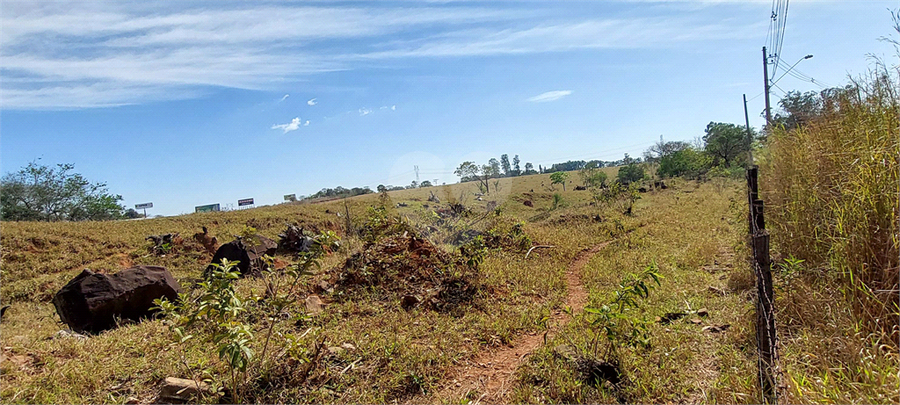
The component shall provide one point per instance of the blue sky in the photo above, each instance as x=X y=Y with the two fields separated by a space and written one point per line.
x=191 y=103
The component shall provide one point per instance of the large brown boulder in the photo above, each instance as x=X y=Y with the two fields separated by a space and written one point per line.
x=92 y=302
x=248 y=253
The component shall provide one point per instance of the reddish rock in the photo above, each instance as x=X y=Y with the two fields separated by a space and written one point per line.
x=92 y=302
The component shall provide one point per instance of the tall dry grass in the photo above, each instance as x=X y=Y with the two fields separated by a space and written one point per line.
x=831 y=189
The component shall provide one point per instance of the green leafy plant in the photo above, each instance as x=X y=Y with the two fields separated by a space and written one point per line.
x=619 y=195
x=559 y=178
x=617 y=321
x=214 y=312
x=474 y=251
x=557 y=201
x=592 y=176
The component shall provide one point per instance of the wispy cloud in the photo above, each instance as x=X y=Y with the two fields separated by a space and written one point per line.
x=103 y=54
x=549 y=96
x=364 y=111
x=291 y=126
x=284 y=98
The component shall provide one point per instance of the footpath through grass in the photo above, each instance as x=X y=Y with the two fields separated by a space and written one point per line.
x=366 y=348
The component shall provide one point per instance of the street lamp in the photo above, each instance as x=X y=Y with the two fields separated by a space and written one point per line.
x=792 y=66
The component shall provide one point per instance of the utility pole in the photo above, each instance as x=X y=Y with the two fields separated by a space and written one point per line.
x=749 y=135
x=766 y=81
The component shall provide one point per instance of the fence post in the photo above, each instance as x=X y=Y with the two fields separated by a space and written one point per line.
x=765 y=310
x=752 y=195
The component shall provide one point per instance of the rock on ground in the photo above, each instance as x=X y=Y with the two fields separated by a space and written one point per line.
x=92 y=302
x=248 y=254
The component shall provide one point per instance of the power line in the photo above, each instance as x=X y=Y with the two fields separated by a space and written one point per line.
x=754 y=97
x=797 y=74
x=775 y=37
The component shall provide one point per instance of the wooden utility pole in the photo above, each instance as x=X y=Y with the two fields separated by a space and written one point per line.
x=766 y=81
x=749 y=135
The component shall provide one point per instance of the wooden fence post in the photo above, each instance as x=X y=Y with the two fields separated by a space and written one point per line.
x=765 y=310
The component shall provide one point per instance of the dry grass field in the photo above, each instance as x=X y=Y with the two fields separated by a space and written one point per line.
x=501 y=344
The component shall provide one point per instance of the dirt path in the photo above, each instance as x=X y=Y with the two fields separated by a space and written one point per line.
x=491 y=372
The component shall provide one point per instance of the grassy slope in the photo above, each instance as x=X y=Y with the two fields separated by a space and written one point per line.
x=399 y=353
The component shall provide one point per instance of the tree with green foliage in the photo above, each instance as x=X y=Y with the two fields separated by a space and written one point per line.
x=469 y=171
x=688 y=162
x=559 y=178
x=425 y=183
x=630 y=173
x=492 y=169
x=517 y=171
x=131 y=213
x=592 y=176
x=661 y=149
x=797 y=109
x=529 y=168
x=504 y=164
x=726 y=143
x=45 y=193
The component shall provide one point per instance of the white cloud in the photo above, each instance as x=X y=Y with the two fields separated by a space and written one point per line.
x=364 y=111
x=292 y=126
x=284 y=98
x=549 y=96
x=107 y=54
x=393 y=108
x=306 y=124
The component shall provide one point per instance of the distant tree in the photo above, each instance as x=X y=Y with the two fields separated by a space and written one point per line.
x=688 y=162
x=43 y=193
x=131 y=213
x=414 y=184
x=725 y=142
x=529 y=168
x=540 y=169
x=425 y=183
x=797 y=109
x=517 y=171
x=381 y=188
x=341 y=192
x=592 y=176
x=630 y=173
x=469 y=171
x=559 y=178
x=567 y=166
x=662 y=148
x=493 y=168
x=504 y=164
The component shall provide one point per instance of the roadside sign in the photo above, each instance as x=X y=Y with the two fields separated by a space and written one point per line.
x=143 y=206
x=246 y=201
x=290 y=197
x=207 y=208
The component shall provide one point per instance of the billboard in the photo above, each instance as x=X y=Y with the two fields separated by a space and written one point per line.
x=206 y=208
x=290 y=197
x=246 y=201
x=143 y=206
